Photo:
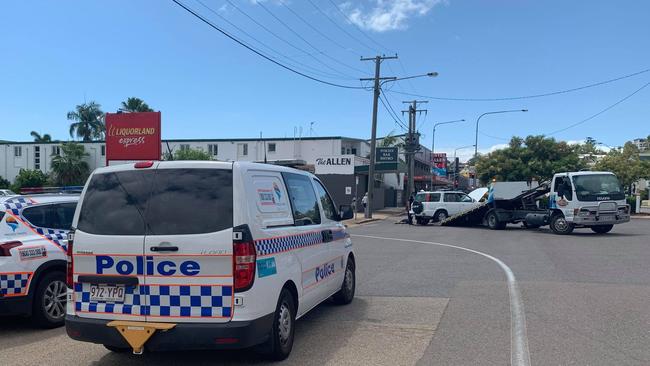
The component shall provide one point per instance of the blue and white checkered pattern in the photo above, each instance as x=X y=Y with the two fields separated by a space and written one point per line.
x=14 y=283
x=14 y=205
x=164 y=300
x=56 y=236
x=282 y=244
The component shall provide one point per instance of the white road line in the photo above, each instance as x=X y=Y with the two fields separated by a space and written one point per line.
x=519 y=354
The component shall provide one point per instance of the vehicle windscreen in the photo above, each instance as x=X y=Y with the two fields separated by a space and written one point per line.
x=158 y=202
x=598 y=187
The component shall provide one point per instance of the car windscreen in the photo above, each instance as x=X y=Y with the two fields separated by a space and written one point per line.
x=598 y=187
x=158 y=202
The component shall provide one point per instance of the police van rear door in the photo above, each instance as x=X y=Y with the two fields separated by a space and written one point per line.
x=107 y=251
x=189 y=243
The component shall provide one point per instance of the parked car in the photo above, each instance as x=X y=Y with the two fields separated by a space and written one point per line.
x=439 y=205
x=206 y=255
x=6 y=193
x=33 y=232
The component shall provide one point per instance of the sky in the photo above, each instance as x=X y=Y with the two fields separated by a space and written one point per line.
x=55 y=55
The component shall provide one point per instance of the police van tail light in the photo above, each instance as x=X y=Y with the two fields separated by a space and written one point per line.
x=244 y=257
x=69 y=278
x=5 y=248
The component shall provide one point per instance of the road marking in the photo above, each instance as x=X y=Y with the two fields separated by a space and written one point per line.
x=519 y=354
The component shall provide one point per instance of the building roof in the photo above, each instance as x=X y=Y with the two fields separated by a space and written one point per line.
x=313 y=138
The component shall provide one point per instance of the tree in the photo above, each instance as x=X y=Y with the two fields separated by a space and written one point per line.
x=28 y=178
x=4 y=184
x=41 y=138
x=390 y=140
x=189 y=154
x=89 y=122
x=536 y=157
x=134 y=104
x=69 y=168
x=626 y=164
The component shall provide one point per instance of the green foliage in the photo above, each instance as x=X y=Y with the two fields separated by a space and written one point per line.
x=533 y=157
x=391 y=140
x=70 y=168
x=4 y=184
x=626 y=164
x=134 y=104
x=88 y=122
x=189 y=154
x=41 y=138
x=28 y=178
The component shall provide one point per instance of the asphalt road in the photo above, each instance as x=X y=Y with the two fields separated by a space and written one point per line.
x=585 y=297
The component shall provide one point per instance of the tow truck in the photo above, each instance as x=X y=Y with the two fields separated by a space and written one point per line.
x=584 y=199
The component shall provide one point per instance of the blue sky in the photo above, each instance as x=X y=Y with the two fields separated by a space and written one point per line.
x=58 y=54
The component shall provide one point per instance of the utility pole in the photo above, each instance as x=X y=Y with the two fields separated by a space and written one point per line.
x=412 y=142
x=373 y=138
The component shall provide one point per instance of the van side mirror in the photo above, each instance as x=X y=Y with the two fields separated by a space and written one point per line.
x=345 y=212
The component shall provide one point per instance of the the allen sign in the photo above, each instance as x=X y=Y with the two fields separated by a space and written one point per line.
x=133 y=136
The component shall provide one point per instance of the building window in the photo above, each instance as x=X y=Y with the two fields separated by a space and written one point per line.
x=213 y=149
x=185 y=147
x=242 y=150
x=18 y=151
x=245 y=152
x=354 y=151
x=103 y=150
x=349 y=151
x=271 y=147
x=37 y=157
x=56 y=150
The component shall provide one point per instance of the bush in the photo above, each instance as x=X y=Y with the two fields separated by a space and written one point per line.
x=631 y=200
x=28 y=178
x=4 y=184
x=189 y=154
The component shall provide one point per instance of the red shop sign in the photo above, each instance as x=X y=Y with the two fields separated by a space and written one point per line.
x=133 y=136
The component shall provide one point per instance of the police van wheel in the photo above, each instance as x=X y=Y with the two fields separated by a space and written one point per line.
x=49 y=301
x=279 y=345
x=346 y=293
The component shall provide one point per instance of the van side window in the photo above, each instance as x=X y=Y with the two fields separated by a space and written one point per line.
x=451 y=197
x=303 y=199
x=325 y=201
x=53 y=216
x=434 y=197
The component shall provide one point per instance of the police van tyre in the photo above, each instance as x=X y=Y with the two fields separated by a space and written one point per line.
x=280 y=343
x=493 y=221
x=601 y=229
x=346 y=293
x=440 y=216
x=49 y=301
x=559 y=225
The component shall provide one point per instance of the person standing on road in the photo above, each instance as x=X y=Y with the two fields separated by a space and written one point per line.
x=409 y=204
x=364 y=201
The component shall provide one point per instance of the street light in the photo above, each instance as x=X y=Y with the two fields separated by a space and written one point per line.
x=484 y=114
x=455 y=164
x=433 y=142
x=379 y=81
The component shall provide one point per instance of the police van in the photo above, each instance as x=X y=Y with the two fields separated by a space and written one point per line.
x=203 y=255
x=33 y=232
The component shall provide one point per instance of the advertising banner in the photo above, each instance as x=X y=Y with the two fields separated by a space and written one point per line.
x=133 y=136
x=439 y=164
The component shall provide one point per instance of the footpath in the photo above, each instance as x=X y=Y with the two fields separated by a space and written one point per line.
x=377 y=215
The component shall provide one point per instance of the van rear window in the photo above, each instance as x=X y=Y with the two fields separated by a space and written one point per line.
x=160 y=202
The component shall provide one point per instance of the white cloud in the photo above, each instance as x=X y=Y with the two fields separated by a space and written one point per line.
x=387 y=15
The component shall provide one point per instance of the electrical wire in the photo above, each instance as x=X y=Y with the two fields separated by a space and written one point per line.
x=339 y=27
x=305 y=40
x=291 y=61
x=599 y=113
x=358 y=28
x=255 y=51
x=389 y=108
x=528 y=96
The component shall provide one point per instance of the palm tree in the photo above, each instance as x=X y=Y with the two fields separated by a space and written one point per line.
x=38 y=138
x=135 y=105
x=70 y=168
x=89 y=122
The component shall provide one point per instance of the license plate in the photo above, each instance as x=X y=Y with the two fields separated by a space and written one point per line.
x=606 y=218
x=107 y=293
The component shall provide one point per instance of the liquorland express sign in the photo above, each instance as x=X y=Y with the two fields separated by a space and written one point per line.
x=133 y=136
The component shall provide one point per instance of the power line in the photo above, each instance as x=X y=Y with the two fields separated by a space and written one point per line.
x=494 y=137
x=306 y=41
x=359 y=29
x=391 y=111
x=291 y=62
x=339 y=27
x=599 y=113
x=527 y=96
x=250 y=48
x=284 y=40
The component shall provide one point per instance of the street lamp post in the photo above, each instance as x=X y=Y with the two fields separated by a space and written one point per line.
x=484 y=114
x=455 y=164
x=433 y=143
x=379 y=81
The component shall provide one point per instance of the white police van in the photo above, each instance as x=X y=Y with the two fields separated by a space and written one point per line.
x=33 y=232
x=203 y=255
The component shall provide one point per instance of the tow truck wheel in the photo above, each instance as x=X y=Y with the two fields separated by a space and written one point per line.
x=494 y=223
x=602 y=229
x=560 y=225
x=49 y=301
x=280 y=342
